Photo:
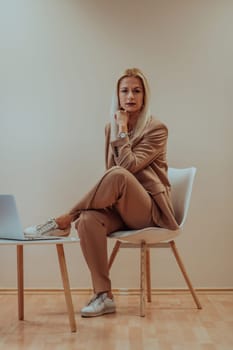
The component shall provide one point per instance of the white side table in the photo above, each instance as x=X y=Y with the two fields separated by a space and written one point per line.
x=63 y=269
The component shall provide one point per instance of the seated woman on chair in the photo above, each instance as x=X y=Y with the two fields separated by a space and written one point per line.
x=133 y=193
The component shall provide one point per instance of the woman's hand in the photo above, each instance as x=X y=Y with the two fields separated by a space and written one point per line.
x=122 y=118
x=64 y=221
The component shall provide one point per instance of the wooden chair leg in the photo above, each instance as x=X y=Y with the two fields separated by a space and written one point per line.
x=142 y=279
x=66 y=285
x=148 y=275
x=20 y=282
x=114 y=253
x=182 y=268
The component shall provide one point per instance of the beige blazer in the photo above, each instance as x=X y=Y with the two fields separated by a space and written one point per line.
x=145 y=157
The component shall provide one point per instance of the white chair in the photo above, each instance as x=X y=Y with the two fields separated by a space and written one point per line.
x=154 y=237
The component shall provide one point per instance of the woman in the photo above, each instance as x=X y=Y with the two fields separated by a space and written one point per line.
x=133 y=193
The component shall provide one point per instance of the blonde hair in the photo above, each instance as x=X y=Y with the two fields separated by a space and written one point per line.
x=145 y=112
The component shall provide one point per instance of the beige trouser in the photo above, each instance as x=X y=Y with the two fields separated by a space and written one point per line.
x=117 y=201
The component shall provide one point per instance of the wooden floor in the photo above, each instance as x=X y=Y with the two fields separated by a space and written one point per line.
x=172 y=323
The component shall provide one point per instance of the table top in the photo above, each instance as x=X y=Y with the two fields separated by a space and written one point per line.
x=62 y=240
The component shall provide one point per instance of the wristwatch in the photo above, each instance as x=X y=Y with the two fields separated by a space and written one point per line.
x=122 y=135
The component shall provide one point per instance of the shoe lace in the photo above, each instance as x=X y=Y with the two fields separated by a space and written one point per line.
x=97 y=299
x=43 y=228
x=95 y=296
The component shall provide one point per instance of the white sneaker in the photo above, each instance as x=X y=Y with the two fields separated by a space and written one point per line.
x=50 y=228
x=99 y=305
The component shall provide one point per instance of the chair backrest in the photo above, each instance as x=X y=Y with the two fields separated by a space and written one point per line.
x=181 y=189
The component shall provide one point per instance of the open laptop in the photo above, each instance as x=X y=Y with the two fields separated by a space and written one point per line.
x=10 y=224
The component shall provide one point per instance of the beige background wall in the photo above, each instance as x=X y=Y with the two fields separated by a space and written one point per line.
x=58 y=63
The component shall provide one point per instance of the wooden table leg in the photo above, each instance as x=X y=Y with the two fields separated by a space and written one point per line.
x=20 y=282
x=66 y=285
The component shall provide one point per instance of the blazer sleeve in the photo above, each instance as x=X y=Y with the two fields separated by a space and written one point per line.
x=137 y=156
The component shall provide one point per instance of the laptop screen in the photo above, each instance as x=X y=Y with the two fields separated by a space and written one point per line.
x=10 y=225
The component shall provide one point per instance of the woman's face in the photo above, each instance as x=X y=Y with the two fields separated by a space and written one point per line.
x=131 y=94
